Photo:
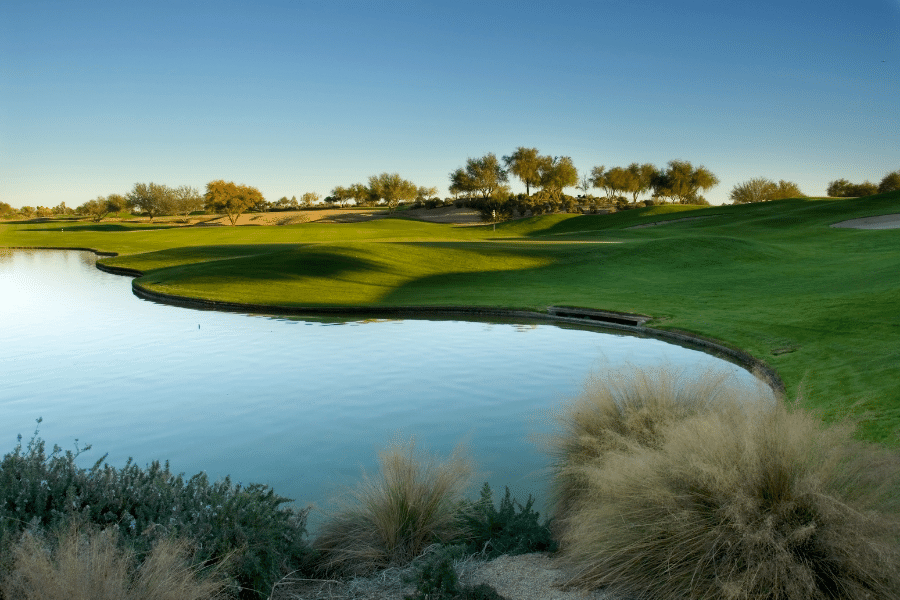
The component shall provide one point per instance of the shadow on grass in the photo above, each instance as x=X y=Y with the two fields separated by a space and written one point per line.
x=104 y=227
x=226 y=265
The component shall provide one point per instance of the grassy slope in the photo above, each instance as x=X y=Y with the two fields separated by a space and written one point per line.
x=821 y=305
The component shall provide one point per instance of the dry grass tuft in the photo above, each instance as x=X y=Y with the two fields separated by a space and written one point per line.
x=91 y=565
x=734 y=500
x=627 y=410
x=413 y=503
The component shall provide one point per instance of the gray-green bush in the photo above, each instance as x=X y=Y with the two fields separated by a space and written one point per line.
x=262 y=537
x=737 y=499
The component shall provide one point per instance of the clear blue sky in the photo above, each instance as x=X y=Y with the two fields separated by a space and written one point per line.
x=297 y=96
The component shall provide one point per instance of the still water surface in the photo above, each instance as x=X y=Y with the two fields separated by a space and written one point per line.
x=301 y=405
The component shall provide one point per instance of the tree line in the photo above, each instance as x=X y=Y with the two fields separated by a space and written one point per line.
x=481 y=183
x=841 y=188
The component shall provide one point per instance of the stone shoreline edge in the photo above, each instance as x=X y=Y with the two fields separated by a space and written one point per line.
x=717 y=348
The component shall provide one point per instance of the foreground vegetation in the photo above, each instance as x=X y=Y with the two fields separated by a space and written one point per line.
x=693 y=489
x=665 y=485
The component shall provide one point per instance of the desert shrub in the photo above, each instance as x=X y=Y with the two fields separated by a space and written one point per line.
x=251 y=525
x=739 y=501
x=436 y=578
x=392 y=518
x=90 y=564
x=510 y=529
x=624 y=410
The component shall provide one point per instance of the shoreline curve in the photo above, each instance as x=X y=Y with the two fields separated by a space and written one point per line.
x=711 y=346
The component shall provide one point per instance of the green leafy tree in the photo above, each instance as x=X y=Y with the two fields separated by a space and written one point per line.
x=598 y=180
x=525 y=163
x=641 y=178
x=620 y=181
x=151 y=198
x=230 y=198
x=6 y=209
x=480 y=175
x=341 y=194
x=556 y=174
x=890 y=182
x=841 y=188
x=101 y=206
x=392 y=188
x=838 y=188
x=681 y=182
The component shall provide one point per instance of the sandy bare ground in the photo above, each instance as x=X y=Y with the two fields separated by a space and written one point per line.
x=523 y=577
x=449 y=215
x=879 y=222
x=292 y=217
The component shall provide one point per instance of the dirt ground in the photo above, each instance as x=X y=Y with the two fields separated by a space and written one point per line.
x=451 y=215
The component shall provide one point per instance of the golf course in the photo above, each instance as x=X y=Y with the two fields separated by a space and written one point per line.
x=818 y=304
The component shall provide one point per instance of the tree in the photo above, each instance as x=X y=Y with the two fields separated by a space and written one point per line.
x=557 y=173
x=360 y=193
x=890 y=182
x=185 y=200
x=682 y=182
x=341 y=194
x=482 y=175
x=392 y=188
x=758 y=189
x=598 y=180
x=585 y=185
x=101 y=206
x=426 y=193
x=642 y=178
x=620 y=181
x=151 y=198
x=841 y=188
x=525 y=163
x=230 y=198
x=310 y=198
x=5 y=209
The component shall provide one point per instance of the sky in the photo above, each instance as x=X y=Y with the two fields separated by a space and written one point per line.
x=302 y=96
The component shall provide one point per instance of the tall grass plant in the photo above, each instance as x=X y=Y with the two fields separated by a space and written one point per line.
x=737 y=498
x=393 y=517
x=85 y=563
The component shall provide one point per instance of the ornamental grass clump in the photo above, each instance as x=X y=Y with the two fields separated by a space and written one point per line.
x=627 y=410
x=413 y=503
x=91 y=564
x=741 y=500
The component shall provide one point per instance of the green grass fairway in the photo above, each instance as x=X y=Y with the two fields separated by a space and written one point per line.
x=820 y=305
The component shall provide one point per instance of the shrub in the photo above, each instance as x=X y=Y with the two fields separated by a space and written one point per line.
x=622 y=411
x=511 y=529
x=392 y=518
x=250 y=524
x=738 y=501
x=889 y=183
x=436 y=579
x=92 y=565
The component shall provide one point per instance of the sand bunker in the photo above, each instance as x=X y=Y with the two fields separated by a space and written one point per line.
x=879 y=222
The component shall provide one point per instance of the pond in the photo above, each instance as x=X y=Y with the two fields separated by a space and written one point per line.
x=302 y=405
